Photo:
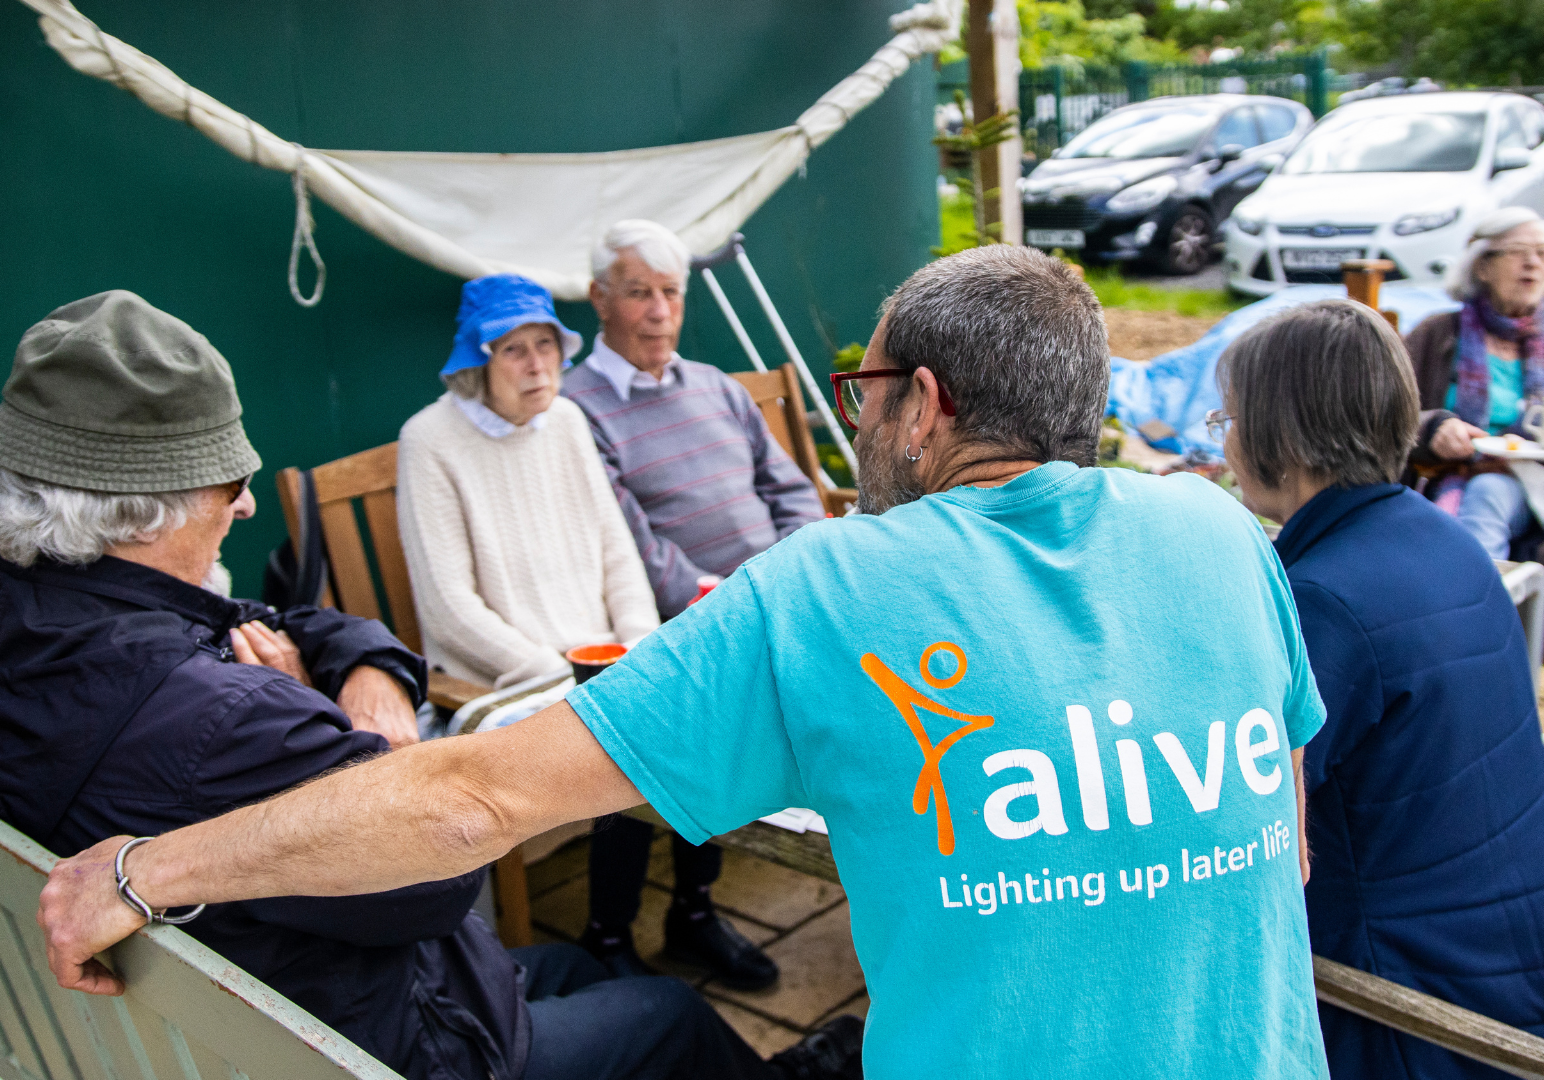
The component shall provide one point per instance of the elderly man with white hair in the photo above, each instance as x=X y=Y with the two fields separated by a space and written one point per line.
x=704 y=486
x=1479 y=369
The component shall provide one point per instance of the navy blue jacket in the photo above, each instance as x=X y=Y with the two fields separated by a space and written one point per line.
x=1426 y=783
x=122 y=711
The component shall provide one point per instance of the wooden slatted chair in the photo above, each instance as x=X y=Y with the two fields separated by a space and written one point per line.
x=781 y=401
x=188 y=1014
x=370 y=477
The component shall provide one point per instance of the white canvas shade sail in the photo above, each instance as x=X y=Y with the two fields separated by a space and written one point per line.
x=533 y=214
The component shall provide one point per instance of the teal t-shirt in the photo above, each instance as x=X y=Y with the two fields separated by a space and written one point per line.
x=1048 y=725
x=1506 y=393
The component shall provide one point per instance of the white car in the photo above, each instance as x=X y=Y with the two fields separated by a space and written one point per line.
x=1401 y=177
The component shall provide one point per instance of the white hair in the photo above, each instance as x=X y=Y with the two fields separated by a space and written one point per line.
x=77 y=527
x=1460 y=282
x=470 y=383
x=656 y=245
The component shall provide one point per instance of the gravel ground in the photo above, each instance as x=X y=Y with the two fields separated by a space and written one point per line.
x=1212 y=278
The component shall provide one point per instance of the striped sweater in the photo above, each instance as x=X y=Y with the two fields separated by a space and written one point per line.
x=702 y=483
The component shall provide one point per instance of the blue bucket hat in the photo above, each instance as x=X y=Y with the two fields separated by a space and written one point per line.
x=491 y=307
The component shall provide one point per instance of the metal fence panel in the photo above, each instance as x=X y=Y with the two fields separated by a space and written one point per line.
x=1058 y=102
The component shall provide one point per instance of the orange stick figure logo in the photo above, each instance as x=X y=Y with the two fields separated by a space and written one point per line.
x=906 y=701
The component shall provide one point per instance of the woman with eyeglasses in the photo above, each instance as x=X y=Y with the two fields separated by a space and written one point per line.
x=1426 y=784
x=1478 y=370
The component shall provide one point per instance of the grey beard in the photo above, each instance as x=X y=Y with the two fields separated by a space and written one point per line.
x=884 y=476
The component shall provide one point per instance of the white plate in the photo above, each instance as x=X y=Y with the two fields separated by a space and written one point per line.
x=1055 y=238
x=1318 y=258
x=1495 y=446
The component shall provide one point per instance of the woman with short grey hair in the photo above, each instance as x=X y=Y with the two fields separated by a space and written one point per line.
x=1479 y=369
x=1422 y=786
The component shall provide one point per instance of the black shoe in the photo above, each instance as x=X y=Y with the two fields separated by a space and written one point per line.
x=834 y=1052
x=701 y=937
x=614 y=950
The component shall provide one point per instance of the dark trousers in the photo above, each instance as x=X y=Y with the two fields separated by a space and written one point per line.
x=586 y=1025
x=619 y=861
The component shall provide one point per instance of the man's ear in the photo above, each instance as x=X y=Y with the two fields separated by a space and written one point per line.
x=597 y=297
x=923 y=391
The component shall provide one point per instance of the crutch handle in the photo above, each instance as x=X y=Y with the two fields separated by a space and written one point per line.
x=725 y=254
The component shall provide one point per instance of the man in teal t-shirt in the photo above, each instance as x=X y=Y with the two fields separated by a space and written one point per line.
x=1048 y=726
x=1051 y=714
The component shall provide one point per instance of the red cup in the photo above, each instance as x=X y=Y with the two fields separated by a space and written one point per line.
x=705 y=584
x=590 y=660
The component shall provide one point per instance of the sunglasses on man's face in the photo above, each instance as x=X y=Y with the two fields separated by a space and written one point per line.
x=238 y=487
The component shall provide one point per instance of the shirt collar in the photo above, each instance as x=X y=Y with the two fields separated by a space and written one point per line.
x=620 y=373
x=491 y=423
x=1323 y=513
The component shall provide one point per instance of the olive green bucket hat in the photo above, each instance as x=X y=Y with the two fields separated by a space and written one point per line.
x=112 y=394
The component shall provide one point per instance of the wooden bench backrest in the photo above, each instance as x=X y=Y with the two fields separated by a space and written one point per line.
x=371 y=477
x=189 y=1014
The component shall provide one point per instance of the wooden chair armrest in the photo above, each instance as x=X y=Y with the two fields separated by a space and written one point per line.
x=837 y=500
x=449 y=692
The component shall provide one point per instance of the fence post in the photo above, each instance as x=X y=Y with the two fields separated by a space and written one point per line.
x=1058 y=86
x=1136 y=80
x=1315 y=68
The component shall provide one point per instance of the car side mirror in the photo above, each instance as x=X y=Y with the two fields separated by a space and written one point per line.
x=1512 y=157
x=1057 y=152
x=1230 y=152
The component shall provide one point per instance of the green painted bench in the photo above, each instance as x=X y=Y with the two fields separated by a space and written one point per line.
x=188 y=1015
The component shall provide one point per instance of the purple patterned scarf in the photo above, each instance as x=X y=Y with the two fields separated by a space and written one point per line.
x=1474 y=321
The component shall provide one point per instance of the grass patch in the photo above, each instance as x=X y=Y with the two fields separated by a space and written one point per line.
x=1114 y=291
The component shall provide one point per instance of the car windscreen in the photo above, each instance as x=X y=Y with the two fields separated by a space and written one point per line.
x=1143 y=133
x=1390 y=142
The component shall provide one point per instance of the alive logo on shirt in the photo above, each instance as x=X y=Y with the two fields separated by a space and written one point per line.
x=1044 y=784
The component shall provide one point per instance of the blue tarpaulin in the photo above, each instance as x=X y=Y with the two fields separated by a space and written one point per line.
x=1180 y=387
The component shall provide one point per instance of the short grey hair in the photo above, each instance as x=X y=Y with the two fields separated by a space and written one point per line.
x=1326 y=387
x=1019 y=342
x=1460 y=282
x=470 y=384
x=74 y=526
x=656 y=245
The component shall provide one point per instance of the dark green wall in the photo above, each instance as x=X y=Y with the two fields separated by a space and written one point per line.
x=98 y=192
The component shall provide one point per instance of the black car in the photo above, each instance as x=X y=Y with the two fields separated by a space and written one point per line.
x=1155 y=181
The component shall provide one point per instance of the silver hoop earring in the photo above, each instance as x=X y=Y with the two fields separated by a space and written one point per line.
x=911 y=459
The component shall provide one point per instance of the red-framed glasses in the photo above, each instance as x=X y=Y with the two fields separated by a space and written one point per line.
x=848 y=386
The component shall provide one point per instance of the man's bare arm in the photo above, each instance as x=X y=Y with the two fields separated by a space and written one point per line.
x=422 y=813
x=1302 y=812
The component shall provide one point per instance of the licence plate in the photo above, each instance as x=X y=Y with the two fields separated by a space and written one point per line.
x=1318 y=258
x=1054 y=238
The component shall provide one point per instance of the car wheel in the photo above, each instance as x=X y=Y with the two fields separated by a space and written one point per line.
x=1188 y=247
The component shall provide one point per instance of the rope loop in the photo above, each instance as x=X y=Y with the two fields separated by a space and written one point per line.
x=303 y=228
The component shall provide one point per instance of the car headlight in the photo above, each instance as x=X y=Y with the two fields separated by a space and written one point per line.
x=1140 y=198
x=1419 y=223
x=1248 y=226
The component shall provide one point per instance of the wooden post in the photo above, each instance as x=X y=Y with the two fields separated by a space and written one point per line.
x=1010 y=154
x=1363 y=278
x=512 y=900
x=982 y=46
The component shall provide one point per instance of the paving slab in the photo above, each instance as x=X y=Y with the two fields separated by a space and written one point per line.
x=819 y=973
x=757 y=889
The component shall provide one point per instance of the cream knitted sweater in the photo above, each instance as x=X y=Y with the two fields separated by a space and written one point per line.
x=516 y=546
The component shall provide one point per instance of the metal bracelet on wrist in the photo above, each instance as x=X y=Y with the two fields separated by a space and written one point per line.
x=130 y=897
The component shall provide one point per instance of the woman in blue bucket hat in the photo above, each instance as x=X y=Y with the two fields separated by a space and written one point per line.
x=515 y=543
